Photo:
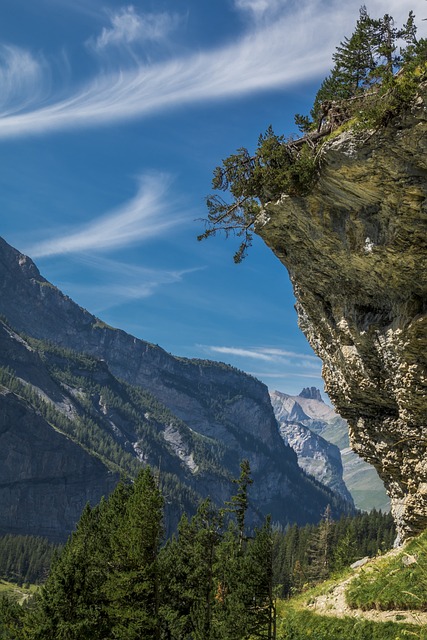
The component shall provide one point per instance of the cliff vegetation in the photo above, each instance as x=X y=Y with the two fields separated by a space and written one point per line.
x=376 y=76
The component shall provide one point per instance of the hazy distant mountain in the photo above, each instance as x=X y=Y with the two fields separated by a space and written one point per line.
x=82 y=402
x=295 y=415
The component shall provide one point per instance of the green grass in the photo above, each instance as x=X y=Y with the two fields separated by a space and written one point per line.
x=386 y=585
x=392 y=585
x=298 y=624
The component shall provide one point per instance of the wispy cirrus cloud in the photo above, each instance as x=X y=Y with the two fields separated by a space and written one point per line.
x=119 y=282
x=285 y=375
x=147 y=215
x=258 y=9
x=274 y=56
x=267 y=354
x=242 y=353
x=293 y=47
x=23 y=79
x=278 y=364
x=128 y=27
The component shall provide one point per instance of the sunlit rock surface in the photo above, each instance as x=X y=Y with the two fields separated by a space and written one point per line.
x=319 y=436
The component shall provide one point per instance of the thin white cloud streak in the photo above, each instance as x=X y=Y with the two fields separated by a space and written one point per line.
x=255 y=6
x=149 y=281
x=126 y=282
x=144 y=217
x=243 y=353
x=288 y=354
x=293 y=48
x=22 y=79
x=127 y=27
x=286 y=375
x=278 y=356
x=260 y=9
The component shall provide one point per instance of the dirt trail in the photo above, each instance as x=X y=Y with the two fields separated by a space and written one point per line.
x=334 y=604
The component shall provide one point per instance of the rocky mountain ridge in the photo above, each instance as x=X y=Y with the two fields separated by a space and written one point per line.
x=319 y=436
x=124 y=402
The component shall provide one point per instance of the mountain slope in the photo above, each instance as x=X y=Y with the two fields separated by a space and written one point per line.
x=382 y=597
x=308 y=411
x=126 y=402
x=316 y=456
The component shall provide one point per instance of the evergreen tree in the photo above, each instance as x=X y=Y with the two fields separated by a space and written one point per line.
x=259 y=563
x=320 y=548
x=385 y=42
x=233 y=613
x=218 y=583
x=277 y=167
x=345 y=551
x=209 y=524
x=177 y=589
x=238 y=504
x=362 y=83
x=70 y=603
x=11 y=615
x=189 y=586
x=132 y=586
x=105 y=582
x=355 y=57
x=65 y=604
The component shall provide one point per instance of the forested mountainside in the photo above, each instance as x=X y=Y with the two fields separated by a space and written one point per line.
x=83 y=402
x=210 y=580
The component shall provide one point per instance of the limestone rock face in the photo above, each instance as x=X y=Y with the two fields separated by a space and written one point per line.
x=355 y=250
x=316 y=456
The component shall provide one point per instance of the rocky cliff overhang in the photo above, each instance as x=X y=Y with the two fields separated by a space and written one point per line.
x=355 y=250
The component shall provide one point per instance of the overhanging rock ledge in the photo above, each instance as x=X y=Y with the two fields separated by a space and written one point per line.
x=355 y=249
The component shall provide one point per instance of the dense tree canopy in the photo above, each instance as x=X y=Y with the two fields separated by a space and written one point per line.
x=213 y=580
x=114 y=579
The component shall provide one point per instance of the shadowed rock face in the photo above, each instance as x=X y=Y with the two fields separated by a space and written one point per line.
x=355 y=249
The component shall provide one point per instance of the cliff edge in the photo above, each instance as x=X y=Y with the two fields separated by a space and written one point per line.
x=355 y=250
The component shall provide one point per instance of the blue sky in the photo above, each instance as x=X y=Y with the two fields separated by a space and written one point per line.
x=112 y=119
